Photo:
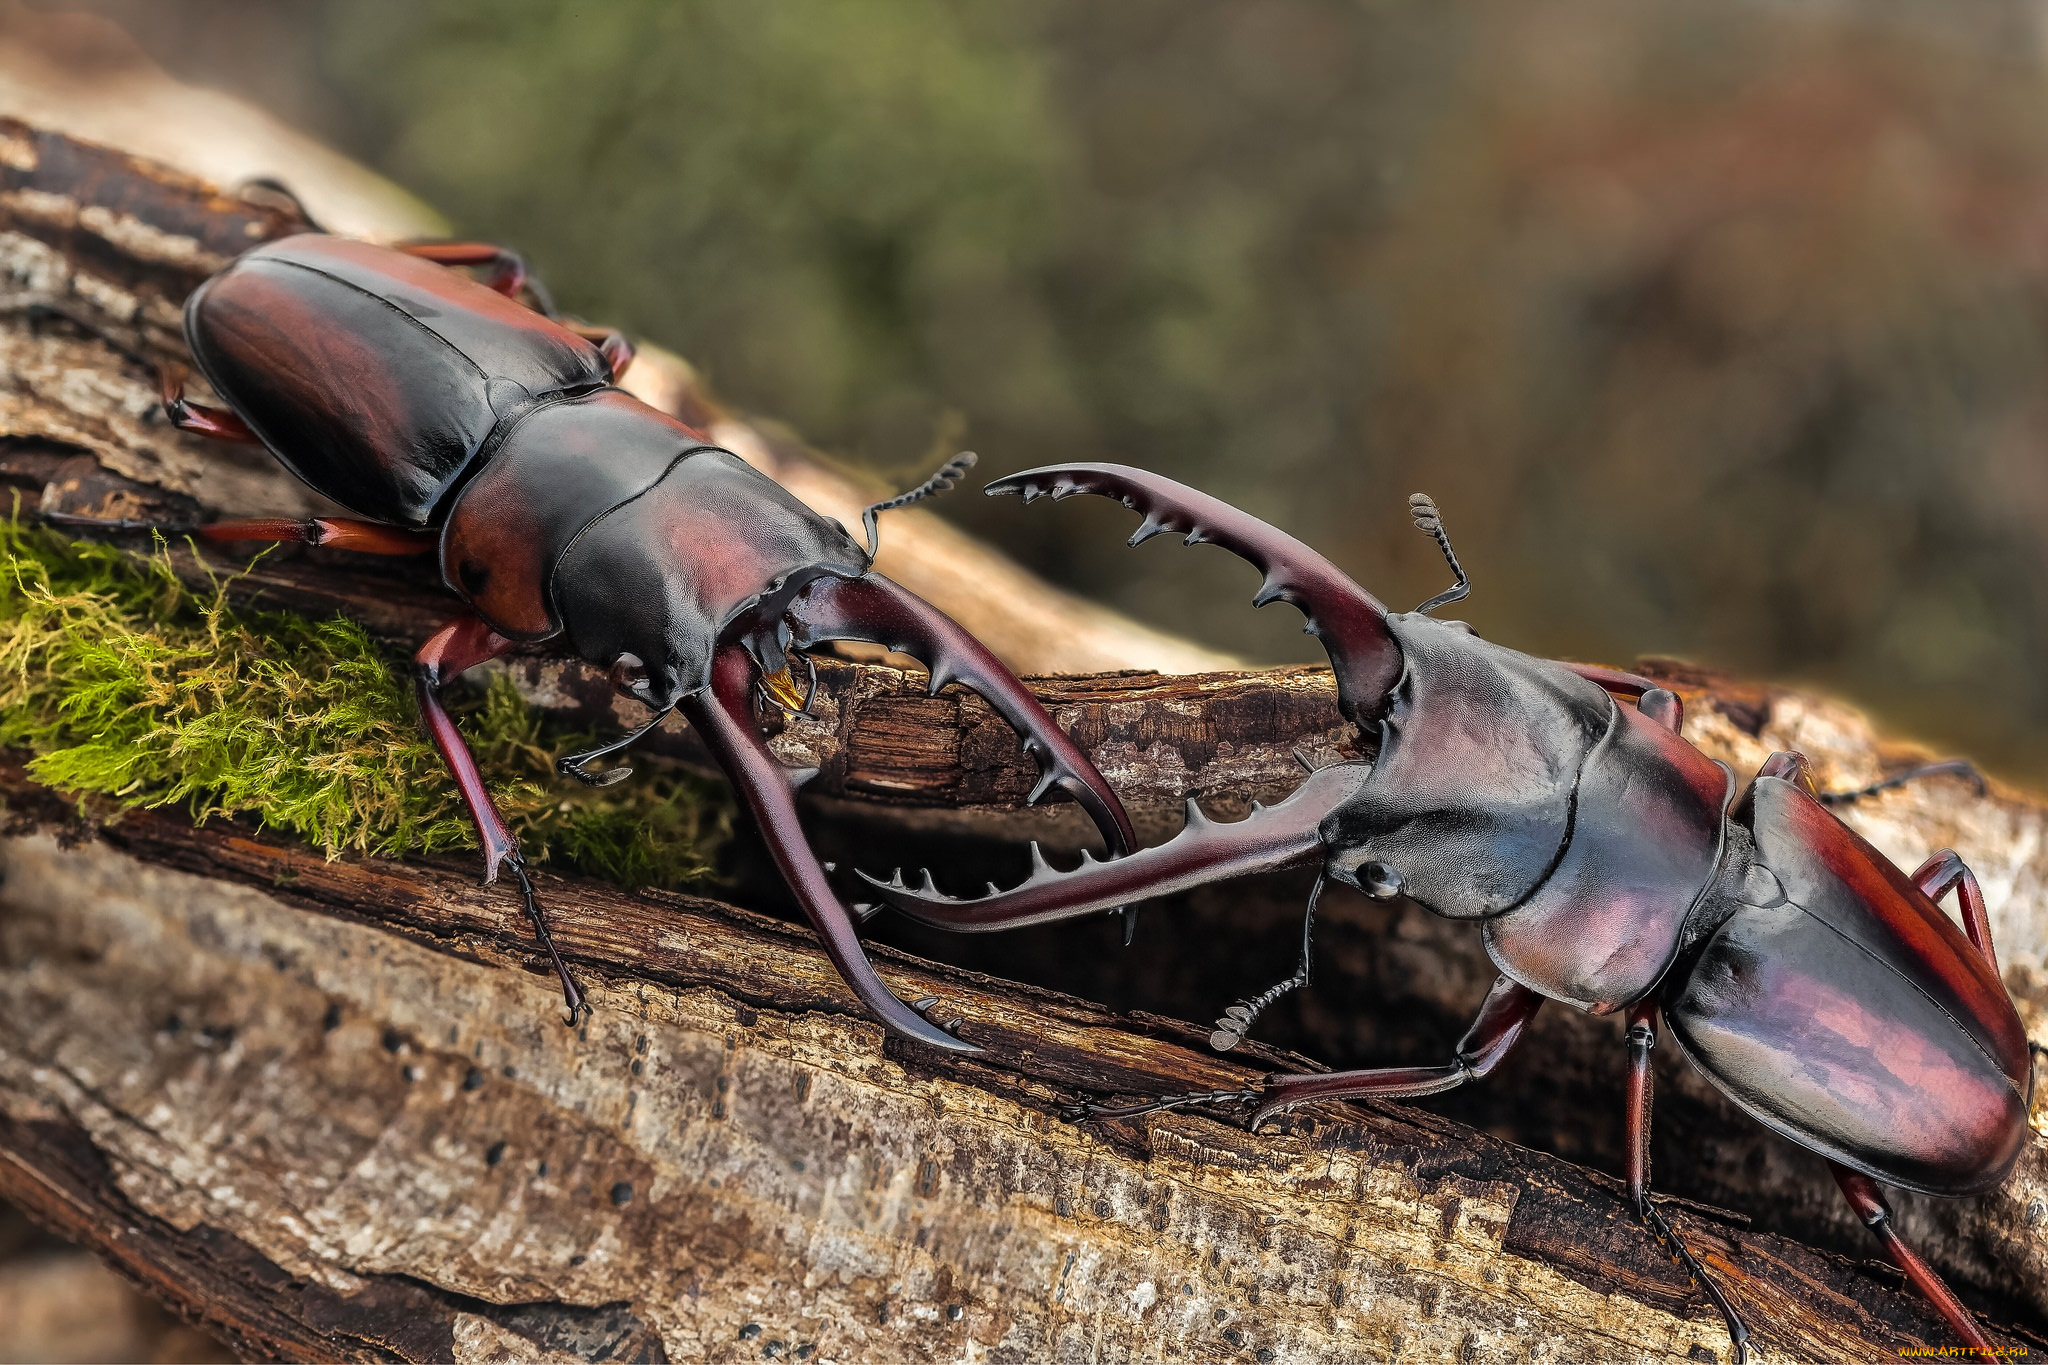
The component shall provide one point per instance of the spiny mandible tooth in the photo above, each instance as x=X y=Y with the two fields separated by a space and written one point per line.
x=1258 y=806
x=799 y=776
x=1038 y=862
x=1192 y=813
x=1270 y=590
x=994 y=890
x=940 y=676
x=1031 y=491
x=1042 y=786
x=1153 y=525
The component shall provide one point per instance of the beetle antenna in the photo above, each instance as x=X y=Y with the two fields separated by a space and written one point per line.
x=949 y=473
x=572 y=765
x=1239 y=1018
x=1948 y=767
x=1427 y=518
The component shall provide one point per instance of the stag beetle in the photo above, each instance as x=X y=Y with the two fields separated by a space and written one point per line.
x=451 y=418
x=1611 y=866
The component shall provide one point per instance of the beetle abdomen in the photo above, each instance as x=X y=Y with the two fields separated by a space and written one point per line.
x=1844 y=1010
x=374 y=376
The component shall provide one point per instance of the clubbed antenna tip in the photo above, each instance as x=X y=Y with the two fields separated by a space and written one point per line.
x=1430 y=521
x=948 y=474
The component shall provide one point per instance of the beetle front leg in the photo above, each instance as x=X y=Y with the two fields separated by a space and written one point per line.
x=1869 y=1203
x=1642 y=1037
x=723 y=716
x=461 y=645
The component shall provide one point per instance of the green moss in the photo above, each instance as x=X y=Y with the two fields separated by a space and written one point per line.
x=131 y=689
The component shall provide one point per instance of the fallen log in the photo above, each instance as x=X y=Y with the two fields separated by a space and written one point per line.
x=327 y=1110
x=271 y=1087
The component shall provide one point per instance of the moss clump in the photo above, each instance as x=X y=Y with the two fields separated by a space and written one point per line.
x=132 y=689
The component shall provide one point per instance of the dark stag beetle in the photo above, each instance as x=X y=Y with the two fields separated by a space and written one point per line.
x=1611 y=866
x=453 y=419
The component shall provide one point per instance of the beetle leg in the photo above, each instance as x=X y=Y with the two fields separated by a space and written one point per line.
x=507 y=267
x=1869 y=1203
x=1502 y=1020
x=1271 y=837
x=1791 y=766
x=1946 y=871
x=1350 y=622
x=618 y=351
x=508 y=275
x=1652 y=698
x=723 y=716
x=220 y=424
x=334 y=533
x=872 y=608
x=460 y=645
x=1642 y=1037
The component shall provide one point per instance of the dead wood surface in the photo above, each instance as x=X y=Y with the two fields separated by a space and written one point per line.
x=328 y=1109
x=274 y=1089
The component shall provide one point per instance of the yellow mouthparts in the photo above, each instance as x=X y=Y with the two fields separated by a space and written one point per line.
x=782 y=687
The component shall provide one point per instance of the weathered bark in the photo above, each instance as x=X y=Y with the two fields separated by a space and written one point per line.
x=326 y=1108
x=271 y=1088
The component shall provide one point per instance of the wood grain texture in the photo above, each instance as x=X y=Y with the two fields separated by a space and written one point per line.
x=327 y=1108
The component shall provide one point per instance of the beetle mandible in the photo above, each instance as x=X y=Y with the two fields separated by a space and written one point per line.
x=1611 y=866
x=452 y=419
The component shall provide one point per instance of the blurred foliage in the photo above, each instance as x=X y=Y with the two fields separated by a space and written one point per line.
x=1718 y=328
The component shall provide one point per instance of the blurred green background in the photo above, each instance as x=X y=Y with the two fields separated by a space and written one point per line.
x=1719 y=329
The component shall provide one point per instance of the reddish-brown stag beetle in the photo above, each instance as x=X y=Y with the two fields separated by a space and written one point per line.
x=451 y=418
x=1611 y=866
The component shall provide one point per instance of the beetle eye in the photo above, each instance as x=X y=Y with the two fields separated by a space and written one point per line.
x=629 y=674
